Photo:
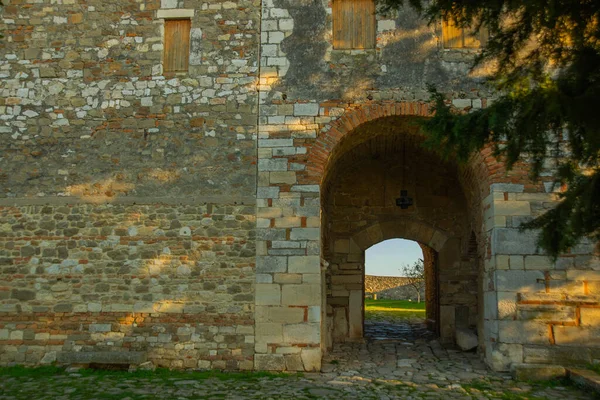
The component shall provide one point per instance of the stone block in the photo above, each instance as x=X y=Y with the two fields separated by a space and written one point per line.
x=593 y=288
x=287 y=278
x=22 y=295
x=462 y=103
x=268 y=332
x=302 y=333
x=590 y=316
x=100 y=328
x=490 y=306
x=504 y=355
x=305 y=234
x=273 y=164
x=288 y=350
x=288 y=222
x=570 y=288
x=301 y=295
x=143 y=307
x=49 y=358
x=269 y=362
x=305 y=264
x=510 y=208
x=293 y=362
x=306 y=109
x=340 y=323
x=311 y=358
x=267 y=294
x=502 y=261
x=576 y=336
x=523 y=332
x=341 y=246
x=447 y=323
x=554 y=313
x=507 y=305
x=520 y=281
x=583 y=275
x=289 y=315
x=270 y=264
x=346 y=279
x=537 y=372
x=466 y=339
x=507 y=187
x=538 y=263
x=288 y=177
x=512 y=241
x=311 y=278
x=556 y=355
x=585 y=378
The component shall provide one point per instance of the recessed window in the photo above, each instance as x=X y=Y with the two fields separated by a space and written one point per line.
x=353 y=24
x=462 y=38
x=177 y=45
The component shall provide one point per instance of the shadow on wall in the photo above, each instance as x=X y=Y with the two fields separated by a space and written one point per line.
x=408 y=56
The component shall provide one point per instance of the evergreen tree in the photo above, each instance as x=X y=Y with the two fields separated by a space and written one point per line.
x=546 y=68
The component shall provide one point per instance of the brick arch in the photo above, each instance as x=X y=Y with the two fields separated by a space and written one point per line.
x=483 y=167
x=319 y=153
x=405 y=228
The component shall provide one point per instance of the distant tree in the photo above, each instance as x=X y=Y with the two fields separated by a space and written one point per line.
x=545 y=64
x=415 y=276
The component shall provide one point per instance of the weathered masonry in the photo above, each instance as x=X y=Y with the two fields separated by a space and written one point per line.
x=195 y=183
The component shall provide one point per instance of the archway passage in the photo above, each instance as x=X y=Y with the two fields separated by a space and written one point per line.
x=381 y=183
x=397 y=304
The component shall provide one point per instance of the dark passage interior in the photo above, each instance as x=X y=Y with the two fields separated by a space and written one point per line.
x=381 y=183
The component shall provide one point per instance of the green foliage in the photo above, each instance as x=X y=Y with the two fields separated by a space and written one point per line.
x=415 y=276
x=544 y=58
x=159 y=373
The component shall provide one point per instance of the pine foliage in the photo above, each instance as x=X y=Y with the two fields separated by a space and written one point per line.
x=546 y=66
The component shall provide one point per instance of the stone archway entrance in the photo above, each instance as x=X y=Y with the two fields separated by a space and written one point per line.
x=367 y=172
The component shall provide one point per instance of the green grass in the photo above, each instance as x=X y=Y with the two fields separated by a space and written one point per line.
x=393 y=310
x=594 y=367
x=20 y=371
x=160 y=373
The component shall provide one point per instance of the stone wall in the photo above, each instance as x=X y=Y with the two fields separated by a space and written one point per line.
x=101 y=153
x=390 y=287
x=127 y=194
x=166 y=283
x=313 y=98
x=87 y=111
x=545 y=310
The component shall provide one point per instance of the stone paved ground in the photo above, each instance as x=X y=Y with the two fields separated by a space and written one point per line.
x=407 y=367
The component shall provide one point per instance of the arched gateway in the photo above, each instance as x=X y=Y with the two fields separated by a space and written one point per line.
x=216 y=217
x=348 y=198
x=347 y=192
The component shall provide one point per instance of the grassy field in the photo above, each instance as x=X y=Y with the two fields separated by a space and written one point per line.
x=393 y=310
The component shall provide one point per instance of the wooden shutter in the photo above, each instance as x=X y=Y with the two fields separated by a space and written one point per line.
x=353 y=24
x=458 y=38
x=451 y=35
x=177 y=45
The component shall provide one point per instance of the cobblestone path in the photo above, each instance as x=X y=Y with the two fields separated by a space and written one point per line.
x=383 y=367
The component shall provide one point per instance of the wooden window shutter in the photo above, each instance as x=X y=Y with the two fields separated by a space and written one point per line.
x=354 y=24
x=177 y=45
x=458 y=38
